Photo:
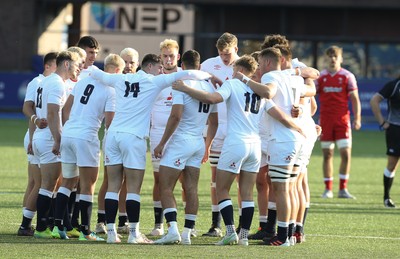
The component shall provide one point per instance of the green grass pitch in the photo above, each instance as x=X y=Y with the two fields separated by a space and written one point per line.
x=360 y=228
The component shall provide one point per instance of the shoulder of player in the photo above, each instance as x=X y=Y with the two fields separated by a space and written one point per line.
x=274 y=74
x=345 y=72
x=51 y=79
x=35 y=81
x=88 y=81
x=208 y=64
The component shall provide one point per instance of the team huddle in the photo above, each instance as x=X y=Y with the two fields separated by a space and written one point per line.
x=249 y=116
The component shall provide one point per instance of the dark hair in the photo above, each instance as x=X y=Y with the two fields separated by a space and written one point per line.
x=88 y=42
x=49 y=57
x=274 y=39
x=150 y=59
x=191 y=59
x=255 y=55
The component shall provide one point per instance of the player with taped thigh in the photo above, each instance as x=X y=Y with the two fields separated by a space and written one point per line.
x=126 y=138
x=182 y=149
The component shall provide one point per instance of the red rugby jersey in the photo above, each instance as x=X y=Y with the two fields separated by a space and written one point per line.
x=333 y=91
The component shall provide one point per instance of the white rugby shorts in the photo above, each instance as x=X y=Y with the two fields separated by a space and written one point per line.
x=43 y=149
x=237 y=157
x=183 y=152
x=283 y=153
x=32 y=159
x=82 y=152
x=126 y=149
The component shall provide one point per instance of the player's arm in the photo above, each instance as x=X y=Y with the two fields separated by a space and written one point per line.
x=29 y=111
x=376 y=110
x=309 y=73
x=66 y=110
x=109 y=111
x=211 y=131
x=263 y=90
x=108 y=117
x=314 y=105
x=202 y=96
x=107 y=78
x=165 y=80
x=356 y=105
x=31 y=130
x=172 y=124
x=54 y=125
x=276 y=113
x=310 y=89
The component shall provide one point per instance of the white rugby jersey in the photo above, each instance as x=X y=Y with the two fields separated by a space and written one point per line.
x=69 y=86
x=91 y=99
x=289 y=89
x=306 y=120
x=162 y=109
x=135 y=96
x=244 y=112
x=195 y=113
x=50 y=90
x=216 y=67
x=86 y=72
x=297 y=63
x=32 y=88
x=264 y=129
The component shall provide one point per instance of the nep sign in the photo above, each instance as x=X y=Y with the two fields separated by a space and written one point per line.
x=140 y=18
x=139 y=26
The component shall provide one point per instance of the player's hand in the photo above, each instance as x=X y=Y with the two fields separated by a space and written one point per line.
x=318 y=129
x=299 y=130
x=237 y=75
x=41 y=123
x=205 y=157
x=158 y=151
x=295 y=112
x=356 y=124
x=178 y=85
x=215 y=81
x=29 y=149
x=56 y=148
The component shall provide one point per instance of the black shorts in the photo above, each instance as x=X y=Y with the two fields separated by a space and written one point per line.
x=393 y=140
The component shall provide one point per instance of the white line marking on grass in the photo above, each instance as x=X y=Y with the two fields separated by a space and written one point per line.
x=356 y=237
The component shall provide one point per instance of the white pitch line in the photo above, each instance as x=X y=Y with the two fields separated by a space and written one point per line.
x=356 y=237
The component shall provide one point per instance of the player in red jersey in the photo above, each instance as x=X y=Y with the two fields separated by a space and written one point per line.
x=334 y=87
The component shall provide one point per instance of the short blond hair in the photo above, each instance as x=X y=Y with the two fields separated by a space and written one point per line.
x=226 y=40
x=169 y=44
x=114 y=60
x=81 y=52
x=248 y=63
x=130 y=52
